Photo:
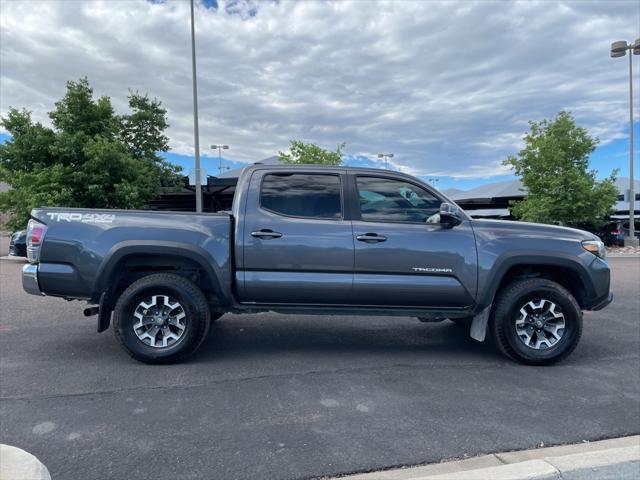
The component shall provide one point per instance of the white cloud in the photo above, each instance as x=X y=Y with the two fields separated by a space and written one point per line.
x=448 y=87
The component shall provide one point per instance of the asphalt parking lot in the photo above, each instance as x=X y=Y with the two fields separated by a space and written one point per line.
x=271 y=396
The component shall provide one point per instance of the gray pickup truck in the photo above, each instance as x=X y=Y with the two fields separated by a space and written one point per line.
x=319 y=240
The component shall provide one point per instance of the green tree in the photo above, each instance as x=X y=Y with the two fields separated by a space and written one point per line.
x=301 y=153
x=554 y=166
x=91 y=158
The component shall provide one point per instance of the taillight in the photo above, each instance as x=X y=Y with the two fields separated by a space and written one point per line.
x=35 y=236
x=616 y=232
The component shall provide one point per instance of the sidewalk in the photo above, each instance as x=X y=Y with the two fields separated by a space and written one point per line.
x=618 y=459
x=616 y=252
x=16 y=464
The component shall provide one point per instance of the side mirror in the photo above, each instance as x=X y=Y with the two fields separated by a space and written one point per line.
x=450 y=215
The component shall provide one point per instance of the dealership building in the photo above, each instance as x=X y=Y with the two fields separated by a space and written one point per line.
x=492 y=200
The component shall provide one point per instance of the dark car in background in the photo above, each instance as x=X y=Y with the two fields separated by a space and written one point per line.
x=18 y=244
x=610 y=234
x=624 y=228
x=614 y=233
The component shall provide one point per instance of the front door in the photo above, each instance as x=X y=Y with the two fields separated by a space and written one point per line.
x=297 y=246
x=403 y=255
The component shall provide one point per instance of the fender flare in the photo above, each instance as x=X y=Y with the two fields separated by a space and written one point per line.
x=513 y=259
x=127 y=248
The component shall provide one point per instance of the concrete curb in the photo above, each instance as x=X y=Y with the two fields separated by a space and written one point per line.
x=12 y=258
x=623 y=255
x=16 y=464
x=537 y=464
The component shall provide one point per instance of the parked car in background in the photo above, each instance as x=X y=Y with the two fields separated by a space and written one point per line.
x=624 y=227
x=614 y=233
x=610 y=234
x=18 y=244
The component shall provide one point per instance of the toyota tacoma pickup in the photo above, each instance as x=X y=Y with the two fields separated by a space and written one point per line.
x=319 y=240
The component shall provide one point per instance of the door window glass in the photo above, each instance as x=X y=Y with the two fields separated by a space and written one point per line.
x=383 y=199
x=302 y=195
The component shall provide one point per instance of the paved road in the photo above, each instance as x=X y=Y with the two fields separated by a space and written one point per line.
x=270 y=396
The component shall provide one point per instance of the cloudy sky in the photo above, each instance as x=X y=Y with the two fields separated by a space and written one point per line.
x=447 y=86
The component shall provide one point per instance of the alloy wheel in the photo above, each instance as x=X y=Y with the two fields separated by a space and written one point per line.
x=540 y=324
x=161 y=321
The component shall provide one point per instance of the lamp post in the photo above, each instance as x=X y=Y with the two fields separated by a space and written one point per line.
x=220 y=148
x=196 y=131
x=619 y=49
x=386 y=157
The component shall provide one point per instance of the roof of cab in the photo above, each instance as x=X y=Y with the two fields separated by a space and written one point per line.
x=339 y=168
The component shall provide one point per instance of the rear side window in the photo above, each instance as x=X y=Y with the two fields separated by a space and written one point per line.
x=302 y=195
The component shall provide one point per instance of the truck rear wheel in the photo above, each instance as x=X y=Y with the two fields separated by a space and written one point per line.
x=536 y=321
x=161 y=318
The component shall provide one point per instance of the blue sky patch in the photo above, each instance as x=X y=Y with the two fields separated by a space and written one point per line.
x=604 y=159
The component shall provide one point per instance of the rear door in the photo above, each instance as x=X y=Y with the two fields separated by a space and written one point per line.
x=297 y=245
x=403 y=255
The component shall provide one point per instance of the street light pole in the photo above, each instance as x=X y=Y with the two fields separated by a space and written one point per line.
x=220 y=148
x=619 y=49
x=196 y=130
x=386 y=157
x=632 y=197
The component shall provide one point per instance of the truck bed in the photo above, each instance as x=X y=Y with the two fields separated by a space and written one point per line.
x=81 y=246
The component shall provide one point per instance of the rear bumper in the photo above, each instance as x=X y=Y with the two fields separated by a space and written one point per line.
x=30 y=280
x=603 y=303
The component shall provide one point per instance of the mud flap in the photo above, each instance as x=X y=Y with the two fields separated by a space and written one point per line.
x=479 y=325
x=104 y=315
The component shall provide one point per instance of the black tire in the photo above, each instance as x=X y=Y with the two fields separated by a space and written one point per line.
x=194 y=305
x=506 y=310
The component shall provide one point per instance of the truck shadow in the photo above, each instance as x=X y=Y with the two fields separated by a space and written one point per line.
x=255 y=336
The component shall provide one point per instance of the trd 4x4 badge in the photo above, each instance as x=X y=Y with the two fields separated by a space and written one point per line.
x=82 y=217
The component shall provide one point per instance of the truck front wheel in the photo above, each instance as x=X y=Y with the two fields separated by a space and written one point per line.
x=161 y=318
x=536 y=321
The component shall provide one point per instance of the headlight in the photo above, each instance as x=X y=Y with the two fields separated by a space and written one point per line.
x=594 y=246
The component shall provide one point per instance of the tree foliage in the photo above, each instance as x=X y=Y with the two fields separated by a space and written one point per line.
x=91 y=158
x=554 y=166
x=301 y=153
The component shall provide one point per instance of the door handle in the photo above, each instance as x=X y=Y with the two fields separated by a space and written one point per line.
x=266 y=234
x=371 y=238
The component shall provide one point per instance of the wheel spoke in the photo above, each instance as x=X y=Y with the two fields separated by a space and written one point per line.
x=552 y=311
x=541 y=339
x=524 y=335
x=553 y=330
x=176 y=323
x=168 y=335
x=172 y=306
x=151 y=335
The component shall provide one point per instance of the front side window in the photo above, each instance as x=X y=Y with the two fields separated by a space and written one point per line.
x=302 y=195
x=383 y=199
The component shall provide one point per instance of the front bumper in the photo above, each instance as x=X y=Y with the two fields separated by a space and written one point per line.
x=30 y=279
x=603 y=303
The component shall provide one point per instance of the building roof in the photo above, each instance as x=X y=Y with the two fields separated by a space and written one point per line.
x=515 y=189
x=504 y=189
x=235 y=172
x=489 y=213
x=622 y=184
x=450 y=192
